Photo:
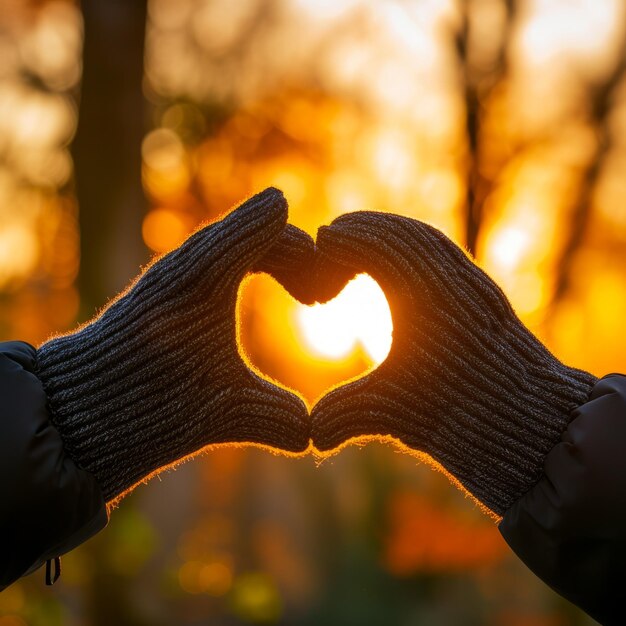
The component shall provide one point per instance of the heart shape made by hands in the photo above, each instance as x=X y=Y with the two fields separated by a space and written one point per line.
x=312 y=272
x=312 y=349
x=157 y=376
x=304 y=336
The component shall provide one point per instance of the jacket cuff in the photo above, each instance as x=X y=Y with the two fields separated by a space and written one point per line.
x=569 y=529
x=49 y=506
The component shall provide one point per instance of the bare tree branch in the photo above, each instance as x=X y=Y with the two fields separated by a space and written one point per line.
x=478 y=90
x=602 y=97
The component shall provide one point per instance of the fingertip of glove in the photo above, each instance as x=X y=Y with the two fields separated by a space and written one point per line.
x=298 y=430
x=290 y=260
x=266 y=208
x=299 y=443
x=324 y=439
x=357 y=221
x=273 y=199
x=355 y=234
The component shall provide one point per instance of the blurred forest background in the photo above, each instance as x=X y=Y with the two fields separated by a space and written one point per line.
x=124 y=125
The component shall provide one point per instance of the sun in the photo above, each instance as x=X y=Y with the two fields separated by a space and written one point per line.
x=359 y=315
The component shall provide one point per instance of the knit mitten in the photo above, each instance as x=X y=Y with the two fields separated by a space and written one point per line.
x=465 y=381
x=157 y=375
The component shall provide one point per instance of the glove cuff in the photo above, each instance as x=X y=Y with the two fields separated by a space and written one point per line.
x=513 y=401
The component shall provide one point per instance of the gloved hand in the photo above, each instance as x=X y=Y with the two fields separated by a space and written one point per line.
x=157 y=375
x=465 y=381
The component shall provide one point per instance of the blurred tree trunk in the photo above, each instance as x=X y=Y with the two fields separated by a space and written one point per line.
x=107 y=161
x=107 y=149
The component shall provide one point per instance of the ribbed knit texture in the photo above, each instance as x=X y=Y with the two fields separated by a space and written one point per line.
x=157 y=375
x=465 y=381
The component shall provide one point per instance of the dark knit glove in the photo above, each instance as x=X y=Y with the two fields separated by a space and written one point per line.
x=465 y=381
x=157 y=376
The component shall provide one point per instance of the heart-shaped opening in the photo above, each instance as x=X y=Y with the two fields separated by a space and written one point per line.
x=311 y=349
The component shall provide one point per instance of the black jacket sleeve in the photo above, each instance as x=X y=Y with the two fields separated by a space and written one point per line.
x=570 y=528
x=48 y=506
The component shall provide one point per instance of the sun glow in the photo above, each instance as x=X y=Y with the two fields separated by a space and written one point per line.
x=359 y=315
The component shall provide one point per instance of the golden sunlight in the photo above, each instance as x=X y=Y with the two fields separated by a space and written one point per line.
x=359 y=315
x=508 y=246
